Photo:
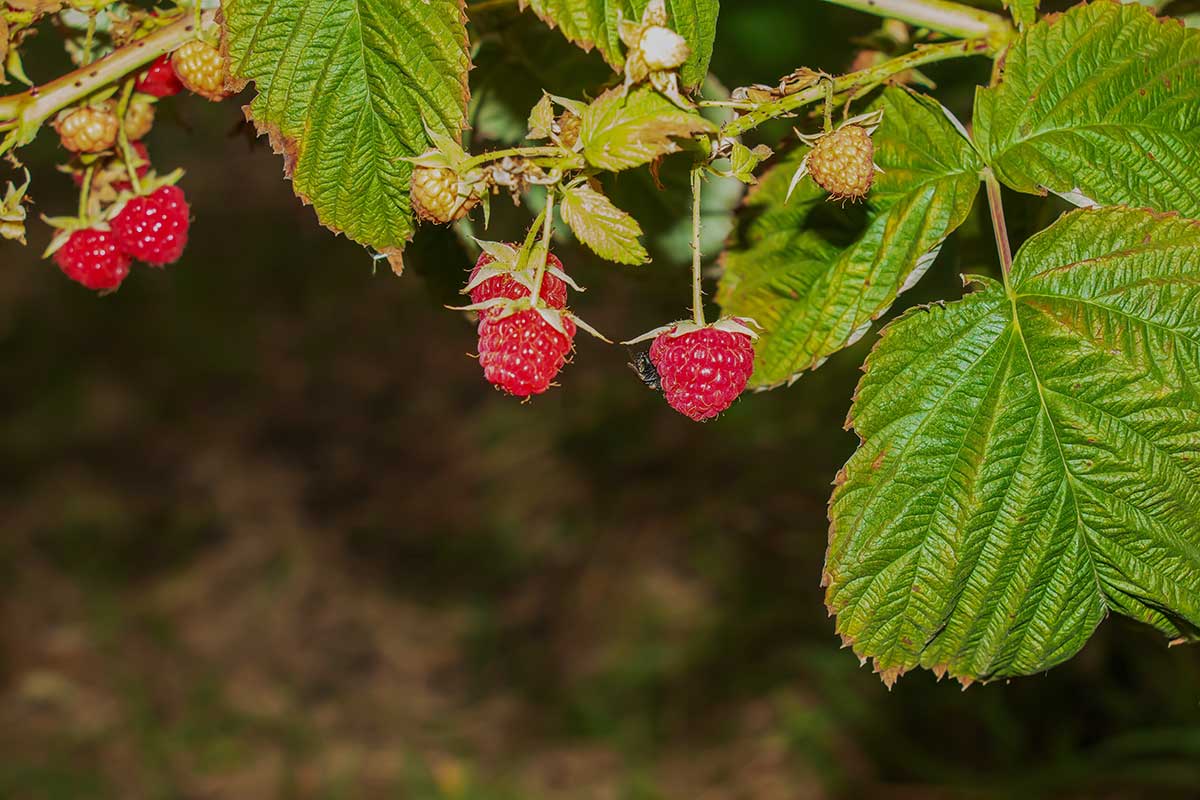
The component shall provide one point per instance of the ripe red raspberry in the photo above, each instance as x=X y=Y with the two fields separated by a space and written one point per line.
x=91 y=257
x=88 y=129
x=153 y=228
x=843 y=163
x=201 y=70
x=704 y=371
x=159 y=79
x=523 y=353
x=554 y=289
x=438 y=195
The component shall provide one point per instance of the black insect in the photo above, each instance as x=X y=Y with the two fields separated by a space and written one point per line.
x=645 y=370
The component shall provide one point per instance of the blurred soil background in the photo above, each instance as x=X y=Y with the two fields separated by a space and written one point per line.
x=268 y=534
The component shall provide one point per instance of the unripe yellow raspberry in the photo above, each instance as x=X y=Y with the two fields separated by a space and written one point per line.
x=200 y=69
x=843 y=163
x=139 y=119
x=439 y=196
x=663 y=48
x=568 y=126
x=89 y=129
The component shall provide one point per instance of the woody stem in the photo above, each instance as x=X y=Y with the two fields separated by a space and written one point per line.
x=28 y=110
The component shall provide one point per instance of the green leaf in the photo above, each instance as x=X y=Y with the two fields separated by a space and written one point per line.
x=1102 y=101
x=815 y=292
x=593 y=23
x=1024 y=12
x=343 y=86
x=621 y=131
x=607 y=230
x=1030 y=459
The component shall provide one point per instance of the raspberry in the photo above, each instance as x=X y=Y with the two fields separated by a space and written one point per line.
x=154 y=227
x=91 y=257
x=89 y=129
x=569 y=126
x=523 y=353
x=200 y=69
x=159 y=79
x=554 y=289
x=663 y=48
x=439 y=196
x=843 y=163
x=139 y=119
x=704 y=371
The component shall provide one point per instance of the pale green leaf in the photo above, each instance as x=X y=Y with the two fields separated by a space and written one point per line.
x=607 y=231
x=621 y=131
x=1030 y=459
x=1103 y=101
x=343 y=87
x=1024 y=12
x=813 y=292
x=541 y=118
x=593 y=23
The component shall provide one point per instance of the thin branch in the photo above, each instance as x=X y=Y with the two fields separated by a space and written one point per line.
x=28 y=110
x=922 y=55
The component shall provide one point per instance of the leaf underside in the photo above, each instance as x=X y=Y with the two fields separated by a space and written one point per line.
x=594 y=23
x=1103 y=100
x=814 y=296
x=343 y=86
x=1030 y=460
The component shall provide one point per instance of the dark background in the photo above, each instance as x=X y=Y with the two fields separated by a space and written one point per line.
x=268 y=534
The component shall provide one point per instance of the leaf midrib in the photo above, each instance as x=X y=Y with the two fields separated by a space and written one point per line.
x=1068 y=476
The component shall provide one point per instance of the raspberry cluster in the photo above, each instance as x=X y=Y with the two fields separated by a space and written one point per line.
x=152 y=228
x=522 y=350
x=146 y=222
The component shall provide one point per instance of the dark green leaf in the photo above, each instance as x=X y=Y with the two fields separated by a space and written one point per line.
x=1030 y=459
x=1099 y=103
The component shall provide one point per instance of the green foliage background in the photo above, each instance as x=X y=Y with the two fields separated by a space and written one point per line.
x=268 y=534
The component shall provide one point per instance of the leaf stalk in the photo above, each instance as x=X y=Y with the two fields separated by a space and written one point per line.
x=999 y=225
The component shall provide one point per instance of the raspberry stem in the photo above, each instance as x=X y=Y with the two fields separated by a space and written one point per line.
x=123 y=137
x=85 y=191
x=522 y=152
x=697 y=289
x=544 y=251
